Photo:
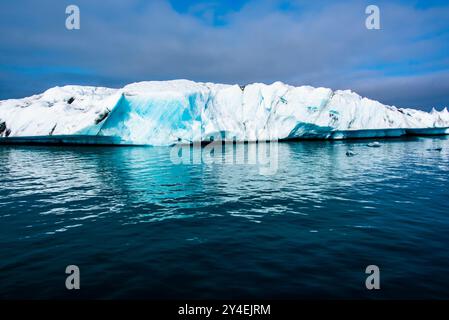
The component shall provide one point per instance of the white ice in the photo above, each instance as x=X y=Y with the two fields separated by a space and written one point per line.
x=182 y=111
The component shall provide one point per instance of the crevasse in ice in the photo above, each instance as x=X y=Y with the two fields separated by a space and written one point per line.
x=182 y=111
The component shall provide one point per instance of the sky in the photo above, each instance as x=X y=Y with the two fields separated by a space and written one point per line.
x=319 y=43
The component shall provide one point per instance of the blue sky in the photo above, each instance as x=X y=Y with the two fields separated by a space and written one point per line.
x=320 y=43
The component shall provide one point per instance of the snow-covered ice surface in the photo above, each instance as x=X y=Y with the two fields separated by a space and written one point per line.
x=182 y=111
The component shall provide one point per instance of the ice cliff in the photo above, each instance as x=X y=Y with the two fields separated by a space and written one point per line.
x=182 y=111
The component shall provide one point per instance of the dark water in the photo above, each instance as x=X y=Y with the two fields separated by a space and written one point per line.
x=139 y=226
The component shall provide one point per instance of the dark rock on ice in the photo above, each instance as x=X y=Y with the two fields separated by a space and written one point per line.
x=102 y=116
x=53 y=130
x=2 y=126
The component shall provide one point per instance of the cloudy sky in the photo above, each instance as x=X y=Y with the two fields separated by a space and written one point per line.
x=320 y=43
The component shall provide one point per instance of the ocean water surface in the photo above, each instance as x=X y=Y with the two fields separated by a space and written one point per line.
x=139 y=225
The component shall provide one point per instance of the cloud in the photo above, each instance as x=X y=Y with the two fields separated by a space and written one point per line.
x=420 y=92
x=323 y=44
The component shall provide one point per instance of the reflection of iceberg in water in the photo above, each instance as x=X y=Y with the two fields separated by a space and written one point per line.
x=83 y=186
x=181 y=111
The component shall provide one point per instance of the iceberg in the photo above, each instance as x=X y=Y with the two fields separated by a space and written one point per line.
x=162 y=113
